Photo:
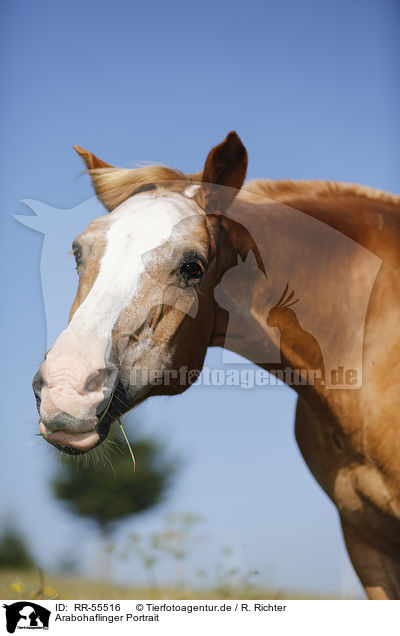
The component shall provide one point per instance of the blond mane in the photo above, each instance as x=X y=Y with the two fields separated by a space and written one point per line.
x=115 y=185
x=284 y=190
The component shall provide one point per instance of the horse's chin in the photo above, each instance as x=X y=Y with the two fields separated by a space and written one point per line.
x=71 y=443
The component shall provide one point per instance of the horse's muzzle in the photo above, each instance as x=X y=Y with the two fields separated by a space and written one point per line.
x=80 y=432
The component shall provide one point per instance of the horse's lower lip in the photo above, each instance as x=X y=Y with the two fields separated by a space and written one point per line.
x=78 y=441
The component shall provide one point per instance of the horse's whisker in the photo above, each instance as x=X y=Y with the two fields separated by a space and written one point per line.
x=129 y=446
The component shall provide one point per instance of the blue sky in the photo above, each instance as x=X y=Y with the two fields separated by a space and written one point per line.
x=312 y=89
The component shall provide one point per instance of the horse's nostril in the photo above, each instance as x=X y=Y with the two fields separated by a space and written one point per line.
x=37 y=384
x=37 y=389
x=96 y=380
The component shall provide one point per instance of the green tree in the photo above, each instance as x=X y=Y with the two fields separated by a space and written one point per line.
x=14 y=554
x=107 y=496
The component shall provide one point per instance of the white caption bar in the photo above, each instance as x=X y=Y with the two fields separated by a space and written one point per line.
x=196 y=617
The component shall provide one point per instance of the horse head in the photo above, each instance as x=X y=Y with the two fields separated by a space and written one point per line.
x=144 y=308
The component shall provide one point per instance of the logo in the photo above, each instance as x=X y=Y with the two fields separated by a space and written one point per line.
x=306 y=303
x=26 y=615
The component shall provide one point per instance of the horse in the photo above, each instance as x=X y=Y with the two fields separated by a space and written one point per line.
x=183 y=262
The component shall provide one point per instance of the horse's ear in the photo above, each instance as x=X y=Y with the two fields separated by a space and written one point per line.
x=90 y=160
x=226 y=166
x=101 y=173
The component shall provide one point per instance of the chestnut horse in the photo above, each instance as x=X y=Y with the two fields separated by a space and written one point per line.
x=184 y=262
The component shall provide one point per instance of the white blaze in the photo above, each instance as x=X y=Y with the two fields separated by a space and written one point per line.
x=138 y=226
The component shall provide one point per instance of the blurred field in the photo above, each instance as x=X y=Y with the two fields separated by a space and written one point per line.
x=34 y=585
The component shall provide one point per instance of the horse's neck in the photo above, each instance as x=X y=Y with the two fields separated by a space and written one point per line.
x=331 y=275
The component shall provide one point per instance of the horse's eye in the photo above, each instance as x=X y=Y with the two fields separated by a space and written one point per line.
x=78 y=256
x=191 y=270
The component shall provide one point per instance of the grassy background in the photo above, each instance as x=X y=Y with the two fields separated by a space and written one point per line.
x=39 y=585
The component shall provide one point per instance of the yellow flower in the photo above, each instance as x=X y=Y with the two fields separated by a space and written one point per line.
x=49 y=591
x=17 y=587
